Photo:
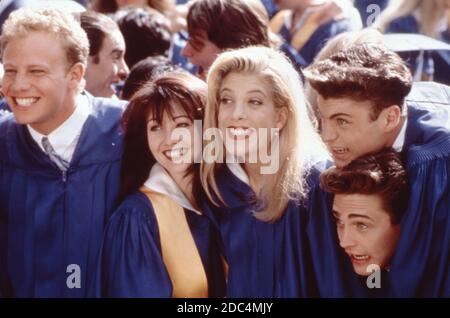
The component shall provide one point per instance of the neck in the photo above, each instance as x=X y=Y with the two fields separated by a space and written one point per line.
x=52 y=123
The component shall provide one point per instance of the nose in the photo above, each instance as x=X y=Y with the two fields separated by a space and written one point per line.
x=123 y=69
x=328 y=133
x=171 y=139
x=187 y=51
x=239 y=112
x=345 y=238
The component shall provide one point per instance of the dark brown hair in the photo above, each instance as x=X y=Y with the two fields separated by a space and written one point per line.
x=380 y=174
x=173 y=89
x=362 y=72
x=97 y=26
x=229 y=24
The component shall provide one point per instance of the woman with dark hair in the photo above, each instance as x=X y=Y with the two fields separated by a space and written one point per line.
x=158 y=243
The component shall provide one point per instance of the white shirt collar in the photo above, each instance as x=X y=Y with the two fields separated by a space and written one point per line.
x=160 y=181
x=400 y=140
x=64 y=138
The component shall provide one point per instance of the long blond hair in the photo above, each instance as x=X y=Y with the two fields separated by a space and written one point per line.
x=298 y=140
x=430 y=11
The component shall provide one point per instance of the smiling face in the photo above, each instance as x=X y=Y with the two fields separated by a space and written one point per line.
x=39 y=85
x=108 y=67
x=246 y=108
x=365 y=230
x=171 y=141
x=349 y=131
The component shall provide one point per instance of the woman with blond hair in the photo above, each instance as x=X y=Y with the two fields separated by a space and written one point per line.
x=266 y=192
x=430 y=18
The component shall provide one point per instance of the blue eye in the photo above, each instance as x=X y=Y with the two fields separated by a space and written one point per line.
x=225 y=100
x=342 y=122
x=362 y=226
x=255 y=102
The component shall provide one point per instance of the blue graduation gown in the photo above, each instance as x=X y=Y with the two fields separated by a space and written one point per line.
x=297 y=256
x=421 y=265
x=441 y=59
x=319 y=38
x=47 y=221
x=131 y=263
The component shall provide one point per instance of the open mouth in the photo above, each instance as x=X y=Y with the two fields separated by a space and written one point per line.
x=359 y=258
x=175 y=153
x=340 y=150
x=25 y=101
x=239 y=132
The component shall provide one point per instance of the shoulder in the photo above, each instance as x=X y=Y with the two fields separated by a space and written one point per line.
x=136 y=205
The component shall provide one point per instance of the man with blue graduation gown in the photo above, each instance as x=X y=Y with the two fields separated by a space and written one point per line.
x=60 y=158
x=366 y=103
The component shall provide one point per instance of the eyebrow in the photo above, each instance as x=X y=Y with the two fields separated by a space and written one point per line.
x=336 y=214
x=175 y=117
x=120 y=51
x=355 y=215
x=249 y=92
x=339 y=114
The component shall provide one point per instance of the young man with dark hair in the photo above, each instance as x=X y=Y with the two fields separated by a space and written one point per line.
x=367 y=102
x=370 y=197
x=106 y=66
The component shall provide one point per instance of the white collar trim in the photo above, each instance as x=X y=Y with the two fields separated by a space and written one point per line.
x=160 y=181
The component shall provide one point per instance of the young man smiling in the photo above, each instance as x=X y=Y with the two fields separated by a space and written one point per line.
x=366 y=104
x=60 y=158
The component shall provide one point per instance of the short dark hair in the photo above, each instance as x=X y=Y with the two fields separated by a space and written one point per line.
x=144 y=71
x=229 y=24
x=156 y=98
x=362 y=72
x=97 y=26
x=380 y=174
x=146 y=32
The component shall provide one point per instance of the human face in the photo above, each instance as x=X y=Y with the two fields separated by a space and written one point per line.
x=110 y=69
x=172 y=149
x=200 y=51
x=39 y=85
x=365 y=230
x=349 y=131
x=246 y=108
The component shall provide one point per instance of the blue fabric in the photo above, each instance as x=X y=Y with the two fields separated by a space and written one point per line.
x=420 y=267
x=131 y=263
x=297 y=256
x=178 y=43
x=48 y=221
x=319 y=38
x=4 y=105
x=363 y=7
x=14 y=5
x=441 y=59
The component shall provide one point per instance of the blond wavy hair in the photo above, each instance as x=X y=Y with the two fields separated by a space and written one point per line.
x=298 y=140
x=50 y=21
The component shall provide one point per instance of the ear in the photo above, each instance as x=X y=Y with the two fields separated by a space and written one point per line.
x=390 y=118
x=76 y=74
x=282 y=116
